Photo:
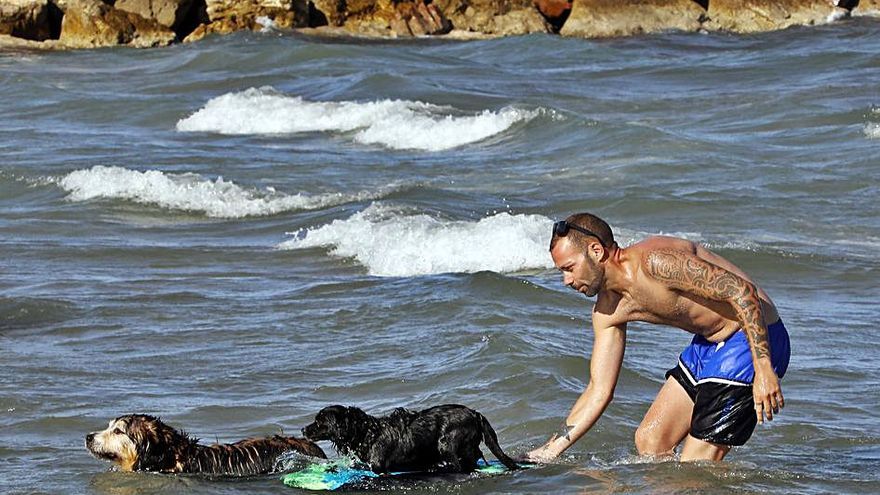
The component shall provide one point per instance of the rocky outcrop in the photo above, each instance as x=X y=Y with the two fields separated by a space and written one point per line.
x=382 y=18
x=398 y=18
x=752 y=16
x=555 y=11
x=92 y=23
x=144 y=23
x=867 y=7
x=181 y=16
x=27 y=19
x=227 y=16
x=607 y=18
x=500 y=18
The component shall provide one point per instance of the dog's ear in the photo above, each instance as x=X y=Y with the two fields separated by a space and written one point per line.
x=155 y=446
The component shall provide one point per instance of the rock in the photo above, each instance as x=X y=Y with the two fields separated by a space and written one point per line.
x=382 y=18
x=326 y=13
x=14 y=44
x=501 y=18
x=419 y=19
x=92 y=23
x=553 y=8
x=607 y=18
x=556 y=12
x=867 y=7
x=751 y=16
x=182 y=16
x=28 y=19
x=227 y=16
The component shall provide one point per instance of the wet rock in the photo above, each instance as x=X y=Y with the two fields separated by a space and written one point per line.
x=419 y=19
x=92 y=23
x=10 y=43
x=28 y=19
x=500 y=18
x=227 y=16
x=751 y=16
x=607 y=18
x=553 y=8
x=182 y=16
x=555 y=11
x=867 y=7
x=382 y=18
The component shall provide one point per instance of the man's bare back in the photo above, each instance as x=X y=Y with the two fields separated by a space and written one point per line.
x=646 y=299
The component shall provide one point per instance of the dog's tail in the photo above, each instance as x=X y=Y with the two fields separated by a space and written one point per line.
x=491 y=440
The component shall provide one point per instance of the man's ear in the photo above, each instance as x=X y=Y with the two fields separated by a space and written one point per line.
x=596 y=251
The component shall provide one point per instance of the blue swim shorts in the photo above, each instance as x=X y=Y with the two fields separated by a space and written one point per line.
x=718 y=377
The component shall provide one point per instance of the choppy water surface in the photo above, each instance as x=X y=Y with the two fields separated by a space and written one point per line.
x=236 y=233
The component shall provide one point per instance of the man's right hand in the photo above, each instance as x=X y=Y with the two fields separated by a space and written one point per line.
x=542 y=454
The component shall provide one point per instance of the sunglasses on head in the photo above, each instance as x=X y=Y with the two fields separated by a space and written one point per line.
x=561 y=229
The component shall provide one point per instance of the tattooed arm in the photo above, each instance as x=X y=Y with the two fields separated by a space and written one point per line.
x=608 y=347
x=684 y=272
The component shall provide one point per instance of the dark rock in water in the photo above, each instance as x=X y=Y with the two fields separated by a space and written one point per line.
x=27 y=19
x=751 y=16
x=92 y=23
x=608 y=18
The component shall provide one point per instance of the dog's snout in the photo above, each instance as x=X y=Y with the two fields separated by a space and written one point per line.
x=90 y=437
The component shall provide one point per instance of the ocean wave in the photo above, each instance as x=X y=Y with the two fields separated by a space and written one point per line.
x=872 y=129
x=392 y=242
x=191 y=192
x=389 y=241
x=395 y=124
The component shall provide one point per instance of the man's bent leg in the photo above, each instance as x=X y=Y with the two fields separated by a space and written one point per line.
x=667 y=422
x=700 y=450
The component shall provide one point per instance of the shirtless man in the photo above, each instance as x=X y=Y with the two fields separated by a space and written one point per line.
x=726 y=380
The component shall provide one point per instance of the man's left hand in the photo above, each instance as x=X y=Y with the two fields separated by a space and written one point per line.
x=767 y=394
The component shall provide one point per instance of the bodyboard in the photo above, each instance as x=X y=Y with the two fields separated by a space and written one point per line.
x=343 y=473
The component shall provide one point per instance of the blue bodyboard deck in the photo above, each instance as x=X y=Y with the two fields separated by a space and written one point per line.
x=342 y=473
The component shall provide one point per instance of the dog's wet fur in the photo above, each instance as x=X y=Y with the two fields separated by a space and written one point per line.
x=138 y=442
x=444 y=438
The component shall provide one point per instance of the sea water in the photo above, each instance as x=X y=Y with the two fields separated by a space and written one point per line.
x=235 y=233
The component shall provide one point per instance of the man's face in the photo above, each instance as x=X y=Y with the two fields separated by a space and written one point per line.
x=579 y=271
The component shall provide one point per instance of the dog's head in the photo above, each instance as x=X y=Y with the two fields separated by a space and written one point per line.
x=137 y=442
x=341 y=425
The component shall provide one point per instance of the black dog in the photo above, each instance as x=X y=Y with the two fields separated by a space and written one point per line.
x=445 y=438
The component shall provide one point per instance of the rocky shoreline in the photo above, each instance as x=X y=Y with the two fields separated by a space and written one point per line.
x=71 y=24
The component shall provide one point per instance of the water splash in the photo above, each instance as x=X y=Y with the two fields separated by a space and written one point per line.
x=190 y=192
x=395 y=124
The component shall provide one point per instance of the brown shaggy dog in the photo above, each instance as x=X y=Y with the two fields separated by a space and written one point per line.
x=138 y=442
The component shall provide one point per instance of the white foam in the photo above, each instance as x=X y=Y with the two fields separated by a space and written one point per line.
x=191 y=192
x=396 y=124
x=872 y=129
x=391 y=242
x=837 y=14
x=266 y=23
